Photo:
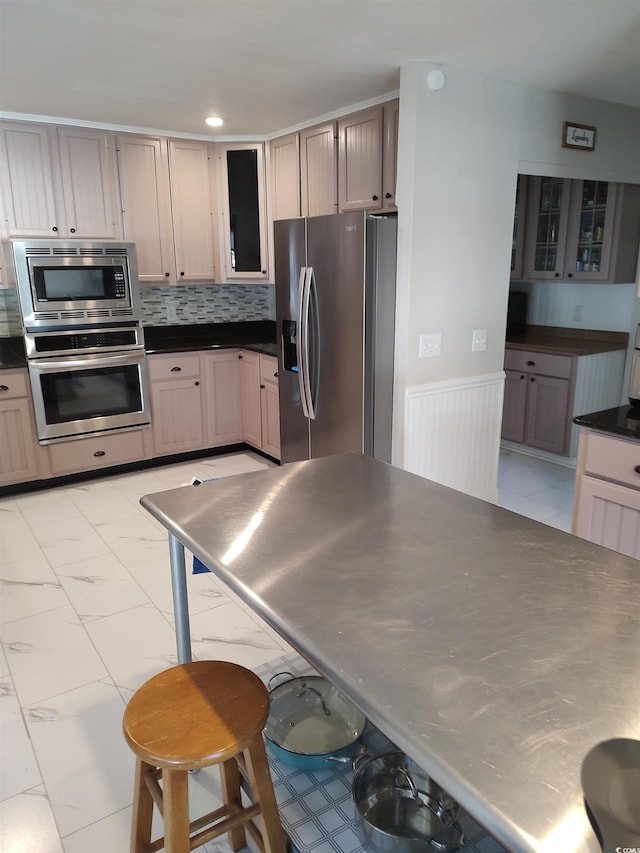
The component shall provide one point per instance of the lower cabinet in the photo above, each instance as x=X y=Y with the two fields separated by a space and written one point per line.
x=221 y=377
x=94 y=453
x=260 y=402
x=607 y=494
x=537 y=398
x=176 y=403
x=18 y=443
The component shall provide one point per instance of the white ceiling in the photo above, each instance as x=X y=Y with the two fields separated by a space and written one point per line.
x=269 y=65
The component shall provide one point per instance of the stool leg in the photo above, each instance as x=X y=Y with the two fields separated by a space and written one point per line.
x=142 y=810
x=262 y=787
x=230 y=780
x=175 y=799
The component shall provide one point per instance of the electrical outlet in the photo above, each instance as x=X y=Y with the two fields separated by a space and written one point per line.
x=430 y=345
x=479 y=340
x=172 y=315
x=577 y=313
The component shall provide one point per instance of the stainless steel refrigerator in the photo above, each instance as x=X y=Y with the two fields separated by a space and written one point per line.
x=335 y=308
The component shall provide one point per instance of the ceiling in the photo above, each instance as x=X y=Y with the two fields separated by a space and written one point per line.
x=270 y=65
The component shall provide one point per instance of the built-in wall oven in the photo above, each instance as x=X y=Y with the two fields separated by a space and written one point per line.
x=83 y=336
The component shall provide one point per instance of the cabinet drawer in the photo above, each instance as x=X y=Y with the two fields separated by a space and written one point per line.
x=543 y=363
x=613 y=459
x=176 y=366
x=268 y=368
x=14 y=383
x=87 y=454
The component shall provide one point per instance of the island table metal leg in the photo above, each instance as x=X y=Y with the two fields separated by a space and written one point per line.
x=180 y=601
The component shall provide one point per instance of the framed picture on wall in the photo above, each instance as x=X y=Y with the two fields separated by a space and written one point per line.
x=578 y=136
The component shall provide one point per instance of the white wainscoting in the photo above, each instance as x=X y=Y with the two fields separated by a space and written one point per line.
x=598 y=386
x=452 y=433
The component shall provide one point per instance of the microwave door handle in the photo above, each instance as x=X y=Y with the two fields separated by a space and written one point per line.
x=300 y=348
x=47 y=365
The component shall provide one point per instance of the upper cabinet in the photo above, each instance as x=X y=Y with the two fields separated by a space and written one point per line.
x=285 y=176
x=167 y=208
x=243 y=220
x=319 y=169
x=58 y=182
x=367 y=158
x=581 y=230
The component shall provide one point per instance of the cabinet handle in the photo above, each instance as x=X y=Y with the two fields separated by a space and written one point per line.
x=181 y=275
x=374 y=198
x=196 y=384
x=176 y=369
x=531 y=364
x=264 y=272
x=557 y=275
x=99 y=453
x=388 y=195
x=275 y=375
x=55 y=228
x=166 y=275
x=240 y=356
x=4 y=387
x=261 y=385
x=569 y=275
x=522 y=376
x=636 y=468
x=533 y=379
x=73 y=230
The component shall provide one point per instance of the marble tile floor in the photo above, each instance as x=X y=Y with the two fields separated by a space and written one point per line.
x=536 y=488
x=86 y=616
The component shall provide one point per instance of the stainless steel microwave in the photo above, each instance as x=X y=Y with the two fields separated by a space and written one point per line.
x=74 y=282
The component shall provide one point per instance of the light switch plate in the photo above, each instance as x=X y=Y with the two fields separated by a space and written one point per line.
x=479 y=340
x=430 y=345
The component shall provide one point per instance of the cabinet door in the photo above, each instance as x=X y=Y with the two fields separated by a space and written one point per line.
x=146 y=205
x=18 y=462
x=192 y=211
x=546 y=229
x=285 y=176
x=251 y=410
x=176 y=408
x=609 y=515
x=318 y=170
x=88 y=183
x=547 y=412
x=513 y=410
x=519 y=221
x=360 y=160
x=593 y=206
x=26 y=179
x=223 y=396
x=391 y=116
x=270 y=413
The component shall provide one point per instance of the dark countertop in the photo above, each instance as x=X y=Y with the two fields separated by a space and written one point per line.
x=258 y=335
x=562 y=341
x=623 y=420
x=12 y=353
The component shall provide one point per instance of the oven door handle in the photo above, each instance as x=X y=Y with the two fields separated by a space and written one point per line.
x=47 y=365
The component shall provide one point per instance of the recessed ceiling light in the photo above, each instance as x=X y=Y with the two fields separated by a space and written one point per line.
x=214 y=121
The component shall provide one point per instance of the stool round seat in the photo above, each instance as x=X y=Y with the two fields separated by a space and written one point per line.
x=196 y=714
x=192 y=716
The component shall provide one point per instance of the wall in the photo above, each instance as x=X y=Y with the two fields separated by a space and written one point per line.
x=459 y=152
x=9 y=314
x=579 y=306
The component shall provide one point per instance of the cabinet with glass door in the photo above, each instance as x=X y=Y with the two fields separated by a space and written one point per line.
x=546 y=227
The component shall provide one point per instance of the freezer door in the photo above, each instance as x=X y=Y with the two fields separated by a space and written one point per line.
x=336 y=252
x=290 y=258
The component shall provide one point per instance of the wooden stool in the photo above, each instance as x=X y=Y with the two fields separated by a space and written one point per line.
x=191 y=716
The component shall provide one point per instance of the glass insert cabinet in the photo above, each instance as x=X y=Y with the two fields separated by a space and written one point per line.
x=569 y=229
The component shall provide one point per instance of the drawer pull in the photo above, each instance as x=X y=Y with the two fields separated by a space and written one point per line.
x=176 y=369
x=636 y=468
x=99 y=453
x=275 y=375
x=531 y=364
x=4 y=387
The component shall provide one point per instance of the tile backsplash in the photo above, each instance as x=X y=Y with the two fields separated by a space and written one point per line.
x=161 y=306
x=10 y=325
x=217 y=303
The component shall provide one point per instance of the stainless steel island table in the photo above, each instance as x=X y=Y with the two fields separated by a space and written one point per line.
x=494 y=650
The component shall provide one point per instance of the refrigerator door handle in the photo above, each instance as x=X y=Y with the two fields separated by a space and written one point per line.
x=312 y=318
x=306 y=380
x=300 y=342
